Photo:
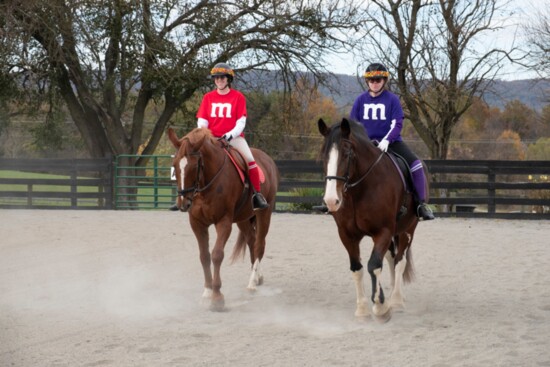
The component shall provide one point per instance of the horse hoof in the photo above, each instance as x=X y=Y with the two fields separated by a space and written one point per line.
x=362 y=312
x=217 y=304
x=397 y=303
x=260 y=280
x=251 y=289
x=384 y=318
x=382 y=313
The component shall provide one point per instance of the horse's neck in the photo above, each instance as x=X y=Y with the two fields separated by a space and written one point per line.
x=367 y=152
x=213 y=155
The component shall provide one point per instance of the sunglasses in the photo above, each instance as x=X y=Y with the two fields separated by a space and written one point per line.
x=375 y=80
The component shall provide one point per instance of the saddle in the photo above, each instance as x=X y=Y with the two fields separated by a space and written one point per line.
x=406 y=177
x=241 y=166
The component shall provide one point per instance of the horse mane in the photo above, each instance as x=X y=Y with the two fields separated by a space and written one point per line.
x=199 y=134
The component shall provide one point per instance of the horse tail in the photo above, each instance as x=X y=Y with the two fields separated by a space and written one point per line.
x=408 y=273
x=239 y=248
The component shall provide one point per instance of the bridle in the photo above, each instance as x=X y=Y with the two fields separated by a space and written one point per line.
x=346 y=177
x=195 y=189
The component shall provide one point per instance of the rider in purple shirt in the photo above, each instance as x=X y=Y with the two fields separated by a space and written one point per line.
x=380 y=112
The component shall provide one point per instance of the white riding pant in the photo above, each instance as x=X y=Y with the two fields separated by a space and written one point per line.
x=241 y=145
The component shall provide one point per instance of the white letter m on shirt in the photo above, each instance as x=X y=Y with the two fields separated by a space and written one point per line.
x=377 y=109
x=221 y=110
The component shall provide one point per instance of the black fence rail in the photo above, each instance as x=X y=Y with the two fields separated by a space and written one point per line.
x=56 y=183
x=458 y=188
x=491 y=189
x=301 y=185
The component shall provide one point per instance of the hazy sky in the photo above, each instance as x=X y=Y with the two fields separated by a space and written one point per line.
x=523 y=9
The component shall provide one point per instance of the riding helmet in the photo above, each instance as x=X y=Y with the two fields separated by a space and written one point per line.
x=376 y=70
x=221 y=69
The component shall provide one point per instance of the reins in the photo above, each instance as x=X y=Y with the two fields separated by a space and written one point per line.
x=195 y=189
x=346 y=177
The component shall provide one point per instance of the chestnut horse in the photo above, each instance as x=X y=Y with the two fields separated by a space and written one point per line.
x=367 y=196
x=212 y=191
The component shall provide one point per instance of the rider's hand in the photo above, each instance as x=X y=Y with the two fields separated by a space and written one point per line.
x=227 y=137
x=383 y=145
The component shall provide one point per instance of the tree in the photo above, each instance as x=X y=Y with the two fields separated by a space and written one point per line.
x=510 y=147
x=540 y=150
x=537 y=31
x=286 y=127
x=545 y=121
x=111 y=60
x=439 y=64
x=520 y=118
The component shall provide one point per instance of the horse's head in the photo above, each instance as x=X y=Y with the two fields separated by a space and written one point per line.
x=339 y=157
x=188 y=164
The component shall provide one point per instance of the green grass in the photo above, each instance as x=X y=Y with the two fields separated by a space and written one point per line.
x=41 y=188
x=44 y=188
x=144 y=199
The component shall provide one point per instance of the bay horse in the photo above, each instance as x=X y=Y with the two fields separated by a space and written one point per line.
x=212 y=191
x=367 y=196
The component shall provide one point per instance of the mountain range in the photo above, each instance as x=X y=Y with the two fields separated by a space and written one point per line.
x=343 y=89
x=534 y=93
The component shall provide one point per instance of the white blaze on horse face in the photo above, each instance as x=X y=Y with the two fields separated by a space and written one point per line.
x=183 y=163
x=332 y=196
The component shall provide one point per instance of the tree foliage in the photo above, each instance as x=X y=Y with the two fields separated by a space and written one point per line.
x=439 y=65
x=125 y=69
x=540 y=150
x=537 y=31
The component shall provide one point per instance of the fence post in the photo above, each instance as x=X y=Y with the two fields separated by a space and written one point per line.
x=491 y=207
x=29 y=195
x=155 y=181
x=74 y=190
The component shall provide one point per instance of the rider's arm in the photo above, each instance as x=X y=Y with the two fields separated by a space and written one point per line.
x=202 y=122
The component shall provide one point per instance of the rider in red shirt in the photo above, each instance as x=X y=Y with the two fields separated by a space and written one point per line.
x=223 y=111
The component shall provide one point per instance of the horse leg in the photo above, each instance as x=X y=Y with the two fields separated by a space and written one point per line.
x=354 y=253
x=397 y=300
x=403 y=269
x=223 y=231
x=394 y=255
x=201 y=233
x=362 y=307
x=262 y=222
x=380 y=308
x=247 y=230
x=390 y=258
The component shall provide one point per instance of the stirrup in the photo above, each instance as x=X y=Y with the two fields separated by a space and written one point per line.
x=259 y=202
x=424 y=212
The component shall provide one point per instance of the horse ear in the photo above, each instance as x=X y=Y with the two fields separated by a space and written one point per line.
x=173 y=137
x=323 y=129
x=344 y=126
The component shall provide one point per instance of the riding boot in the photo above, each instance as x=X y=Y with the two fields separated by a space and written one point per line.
x=174 y=208
x=424 y=212
x=259 y=202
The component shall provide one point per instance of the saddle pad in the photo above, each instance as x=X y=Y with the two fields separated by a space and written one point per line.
x=240 y=168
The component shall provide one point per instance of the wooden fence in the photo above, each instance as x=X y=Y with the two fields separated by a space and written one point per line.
x=459 y=188
x=61 y=183
x=491 y=189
